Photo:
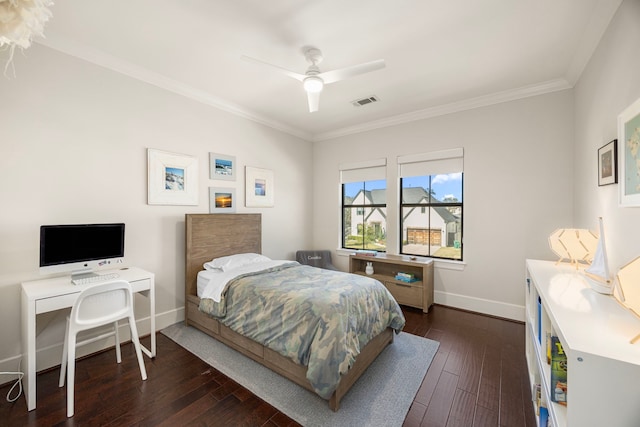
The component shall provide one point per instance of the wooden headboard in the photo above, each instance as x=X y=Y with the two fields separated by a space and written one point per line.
x=211 y=236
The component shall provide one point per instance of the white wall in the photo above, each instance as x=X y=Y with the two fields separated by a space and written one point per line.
x=517 y=190
x=609 y=84
x=73 y=141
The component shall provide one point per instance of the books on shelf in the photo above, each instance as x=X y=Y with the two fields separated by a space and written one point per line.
x=558 y=383
x=548 y=348
x=536 y=394
x=542 y=412
x=544 y=417
x=406 y=277
x=539 y=321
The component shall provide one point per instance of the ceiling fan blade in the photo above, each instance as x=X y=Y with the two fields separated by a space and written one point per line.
x=314 y=101
x=293 y=74
x=345 y=73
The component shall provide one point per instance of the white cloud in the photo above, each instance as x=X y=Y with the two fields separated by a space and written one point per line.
x=441 y=179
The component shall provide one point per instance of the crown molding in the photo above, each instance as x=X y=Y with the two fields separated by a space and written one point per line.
x=454 y=107
x=102 y=59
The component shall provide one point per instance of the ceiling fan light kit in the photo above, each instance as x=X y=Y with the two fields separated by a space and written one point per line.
x=313 y=84
x=313 y=81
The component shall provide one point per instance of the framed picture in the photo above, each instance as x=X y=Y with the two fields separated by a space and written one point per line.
x=222 y=200
x=629 y=137
x=222 y=167
x=259 y=188
x=608 y=163
x=172 y=178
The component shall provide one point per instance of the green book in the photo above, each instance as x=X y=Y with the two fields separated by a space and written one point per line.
x=558 y=372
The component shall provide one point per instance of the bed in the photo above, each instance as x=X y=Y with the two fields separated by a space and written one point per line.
x=211 y=236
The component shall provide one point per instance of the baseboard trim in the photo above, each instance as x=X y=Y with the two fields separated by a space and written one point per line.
x=49 y=357
x=481 y=305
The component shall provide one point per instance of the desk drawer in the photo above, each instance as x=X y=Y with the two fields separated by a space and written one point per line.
x=140 y=285
x=56 y=303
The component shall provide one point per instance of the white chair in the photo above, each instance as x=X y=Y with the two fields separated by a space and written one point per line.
x=98 y=305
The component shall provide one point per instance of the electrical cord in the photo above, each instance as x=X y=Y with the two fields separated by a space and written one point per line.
x=18 y=383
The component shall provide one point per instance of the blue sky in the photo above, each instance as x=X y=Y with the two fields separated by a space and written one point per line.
x=443 y=185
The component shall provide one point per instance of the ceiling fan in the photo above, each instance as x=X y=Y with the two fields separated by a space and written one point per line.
x=313 y=80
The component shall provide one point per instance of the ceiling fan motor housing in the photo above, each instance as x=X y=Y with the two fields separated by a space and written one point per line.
x=313 y=55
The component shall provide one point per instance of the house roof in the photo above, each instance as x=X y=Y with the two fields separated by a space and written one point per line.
x=419 y=194
x=410 y=195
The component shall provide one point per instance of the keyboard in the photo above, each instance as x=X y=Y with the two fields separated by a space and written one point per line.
x=94 y=278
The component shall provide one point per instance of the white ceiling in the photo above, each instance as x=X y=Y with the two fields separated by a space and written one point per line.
x=441 y=55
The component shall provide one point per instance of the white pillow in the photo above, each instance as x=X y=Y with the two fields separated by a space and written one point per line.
x=228 y=263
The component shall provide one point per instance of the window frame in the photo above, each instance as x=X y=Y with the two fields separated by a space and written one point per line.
x=364 y=208
x=428 y=207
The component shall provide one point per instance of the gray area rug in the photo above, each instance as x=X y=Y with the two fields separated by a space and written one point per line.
x=381 y=397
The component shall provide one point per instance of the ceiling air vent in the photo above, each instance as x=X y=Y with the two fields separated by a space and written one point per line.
x=365 y=101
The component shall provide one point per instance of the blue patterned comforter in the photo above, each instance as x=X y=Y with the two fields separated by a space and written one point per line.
x=317 y=318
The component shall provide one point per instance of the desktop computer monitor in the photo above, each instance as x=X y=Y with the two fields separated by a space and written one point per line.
x=80 y=248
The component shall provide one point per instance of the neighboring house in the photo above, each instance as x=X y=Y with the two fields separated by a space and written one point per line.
x=421 y=226
x=439 y=226
x=374 y=217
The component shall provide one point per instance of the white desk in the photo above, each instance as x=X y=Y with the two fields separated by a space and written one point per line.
x=42 y=296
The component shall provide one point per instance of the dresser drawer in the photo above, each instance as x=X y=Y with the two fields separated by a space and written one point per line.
x=407 y=294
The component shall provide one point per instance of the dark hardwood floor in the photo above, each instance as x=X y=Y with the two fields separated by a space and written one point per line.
x=477 y=378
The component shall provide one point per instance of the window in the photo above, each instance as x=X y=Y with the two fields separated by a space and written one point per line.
x=364 y=205
x=431 y=204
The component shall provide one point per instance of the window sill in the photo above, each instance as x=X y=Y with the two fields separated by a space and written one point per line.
x=444 y=264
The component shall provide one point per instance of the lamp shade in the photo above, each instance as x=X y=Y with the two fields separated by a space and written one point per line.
x=629 y=280
x=573 y=244
x=20 y=20
x=313 y=84
x=629 y=289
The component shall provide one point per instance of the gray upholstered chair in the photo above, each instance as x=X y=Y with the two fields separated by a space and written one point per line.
x=321 y=259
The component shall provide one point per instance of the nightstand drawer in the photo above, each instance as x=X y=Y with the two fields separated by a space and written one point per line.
x=407 y=294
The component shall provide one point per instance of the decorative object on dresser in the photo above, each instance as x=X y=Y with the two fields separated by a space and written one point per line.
x=593 y=331
x=369 y=269
x=417 y=292
x=172 y=179
x=259 y=188
x=222 y=167
x=597 y=274
x=222 y=200
x=573 y=245
x=629 y=137
x=608 y=163
x=629 y=290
